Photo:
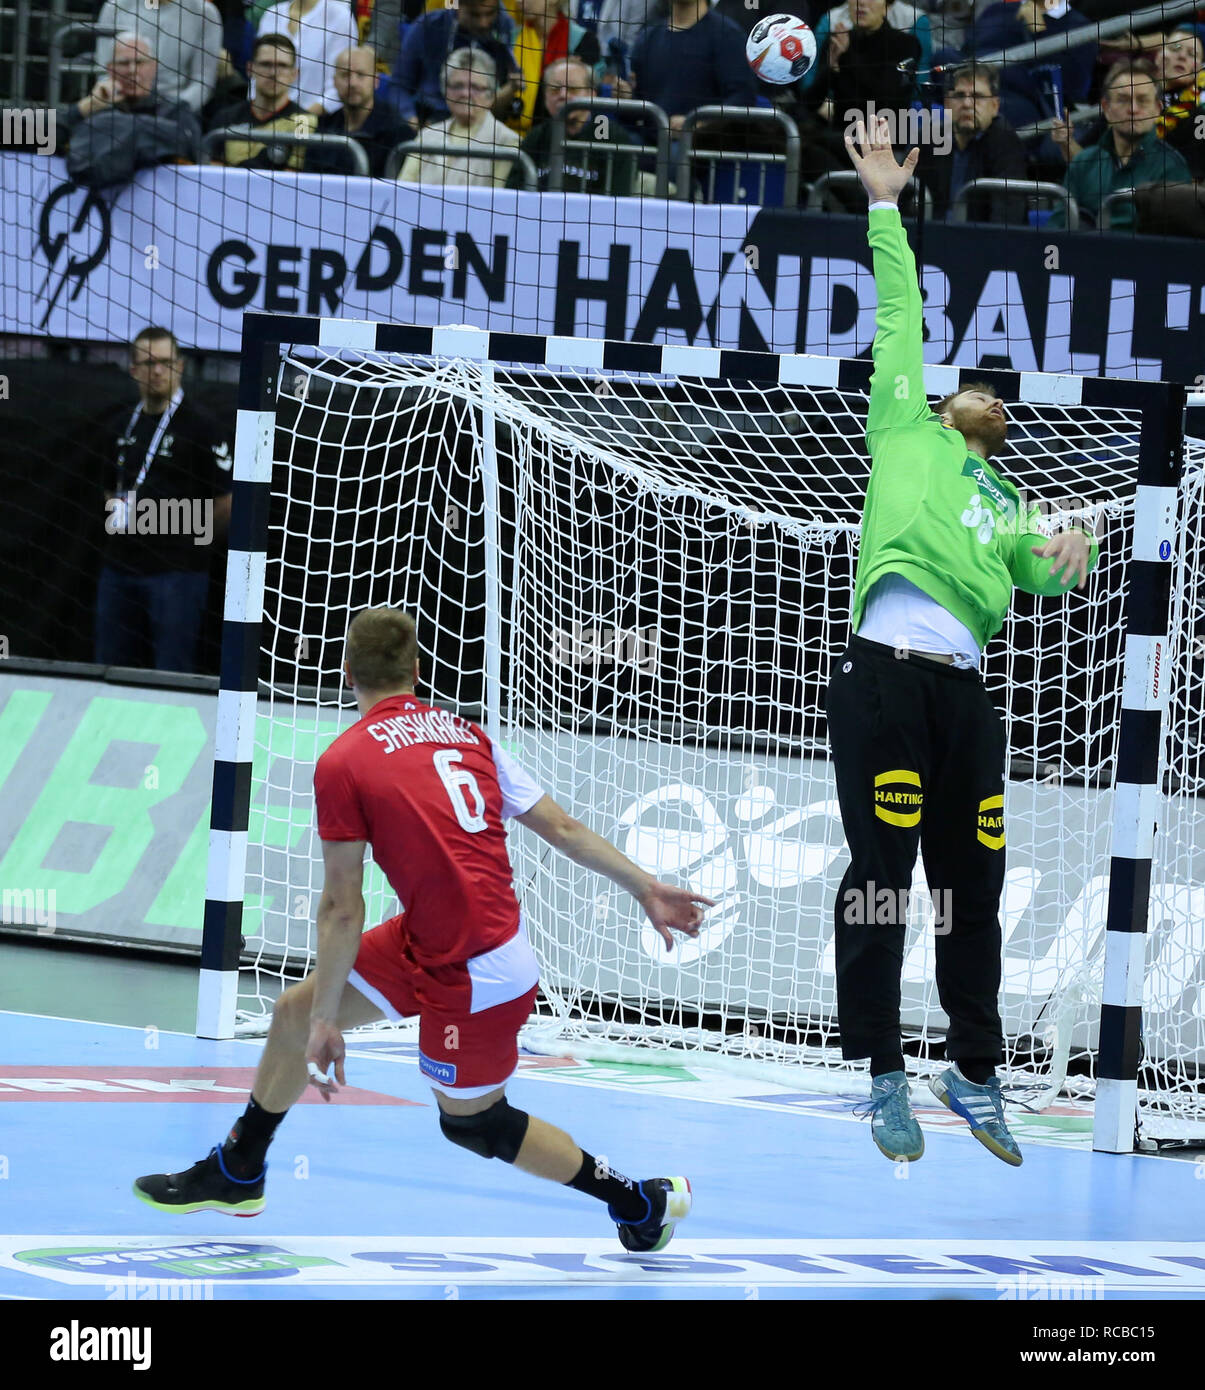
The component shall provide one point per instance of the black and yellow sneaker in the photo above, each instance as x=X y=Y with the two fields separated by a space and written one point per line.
x=206 y=1186
x=668 y=1201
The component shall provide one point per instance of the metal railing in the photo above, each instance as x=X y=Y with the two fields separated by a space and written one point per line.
x=254 y=135
x=754 y=116
x=1153 y=16
x=445 y=149
x=849 y=178
x=1115 y=200
x=618 y=107
x=1028 y=188
x=65 y=43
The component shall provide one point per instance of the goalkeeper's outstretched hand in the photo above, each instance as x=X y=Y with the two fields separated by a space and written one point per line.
x=870 y=150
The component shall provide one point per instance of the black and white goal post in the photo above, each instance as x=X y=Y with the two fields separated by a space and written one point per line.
x=1141 y=754
x=238 y=686
x=634 y=565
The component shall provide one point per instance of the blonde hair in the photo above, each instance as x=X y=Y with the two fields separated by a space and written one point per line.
x=382 y=647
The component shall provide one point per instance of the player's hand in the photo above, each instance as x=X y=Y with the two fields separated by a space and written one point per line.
x=678 y=908
x=324 y=1049
x=1070 y=551
x=870 y=150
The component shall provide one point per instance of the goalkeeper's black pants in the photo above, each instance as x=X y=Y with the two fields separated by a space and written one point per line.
x=918 y=750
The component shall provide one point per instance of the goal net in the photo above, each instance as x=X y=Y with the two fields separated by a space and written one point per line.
x=636 y=575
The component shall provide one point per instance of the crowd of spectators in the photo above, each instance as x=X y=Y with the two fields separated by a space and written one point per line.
x=1099 y=116
x=450 y=94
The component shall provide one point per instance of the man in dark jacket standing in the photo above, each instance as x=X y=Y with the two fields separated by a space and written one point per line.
x=981 y=145
x=122 y=125
x=167 y=471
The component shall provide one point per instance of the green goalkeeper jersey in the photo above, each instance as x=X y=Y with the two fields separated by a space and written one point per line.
x=936 y=512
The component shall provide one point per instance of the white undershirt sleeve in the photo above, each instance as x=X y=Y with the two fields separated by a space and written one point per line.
x=520 y=791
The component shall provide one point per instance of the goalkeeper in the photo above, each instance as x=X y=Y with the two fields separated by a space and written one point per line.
x=918 y=748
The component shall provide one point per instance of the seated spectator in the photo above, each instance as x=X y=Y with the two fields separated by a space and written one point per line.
x=375 y=127
x=124 y=124
x=470 y=86
x=273 y=71
x=1180 y=67
x=1025 y=87
x=900 y=16
x=865 y=60
x=983 y=146
x=566 y=80
x=546 y=34
x=1176 y=59
x=417 y=86
x=184 y=35
x=695 y=58
x=1129 y=153
x=319 y=31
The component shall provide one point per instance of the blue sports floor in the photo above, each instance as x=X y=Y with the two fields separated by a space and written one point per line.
x=366 y=1199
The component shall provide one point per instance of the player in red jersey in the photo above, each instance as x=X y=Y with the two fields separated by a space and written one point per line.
x=429 y=792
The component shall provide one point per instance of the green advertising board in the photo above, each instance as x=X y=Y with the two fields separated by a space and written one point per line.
x=104 y=809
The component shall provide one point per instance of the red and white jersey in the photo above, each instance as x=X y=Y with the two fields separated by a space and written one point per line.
x=429 y=792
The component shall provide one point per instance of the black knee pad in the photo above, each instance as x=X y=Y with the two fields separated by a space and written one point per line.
x=494 y=1133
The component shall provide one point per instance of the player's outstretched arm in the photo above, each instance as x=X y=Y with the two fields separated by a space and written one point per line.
x=666 y=906
x=897 y=387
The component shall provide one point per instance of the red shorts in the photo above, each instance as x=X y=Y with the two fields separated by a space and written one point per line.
x=469 y=1013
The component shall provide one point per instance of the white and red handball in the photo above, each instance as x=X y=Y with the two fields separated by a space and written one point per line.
x=780 y=49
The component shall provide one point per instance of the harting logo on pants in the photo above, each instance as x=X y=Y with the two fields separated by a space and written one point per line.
x=898 y=797
x=991 y=822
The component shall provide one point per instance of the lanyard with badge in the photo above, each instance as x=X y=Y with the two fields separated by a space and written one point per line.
x=124 y=501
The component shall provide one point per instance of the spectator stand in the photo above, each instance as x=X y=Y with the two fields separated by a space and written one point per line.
x=844 y=188
x=451 y=149
x=1154 y=16
x=1034 y=189
x=647 y=112
x=730 y=172
x=67 y=44
x=1123 y=196
x=254 y=135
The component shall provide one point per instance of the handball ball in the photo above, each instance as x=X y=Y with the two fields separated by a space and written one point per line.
x=781 y=49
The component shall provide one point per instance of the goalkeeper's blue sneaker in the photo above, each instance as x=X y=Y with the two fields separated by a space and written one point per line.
x=982 y=1107
x=893 y=1127
x=206 y=1186
x=668 y=1201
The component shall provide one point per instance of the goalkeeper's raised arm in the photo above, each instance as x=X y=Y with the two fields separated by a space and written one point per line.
x=897 y=392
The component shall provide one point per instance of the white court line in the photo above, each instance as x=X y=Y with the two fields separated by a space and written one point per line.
x=933 y=1117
